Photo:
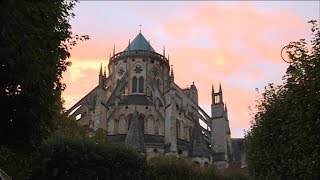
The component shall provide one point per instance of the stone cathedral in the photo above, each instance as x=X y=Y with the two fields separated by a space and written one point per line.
x=139 y=104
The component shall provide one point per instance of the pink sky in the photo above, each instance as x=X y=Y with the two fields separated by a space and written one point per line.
x=235 y=43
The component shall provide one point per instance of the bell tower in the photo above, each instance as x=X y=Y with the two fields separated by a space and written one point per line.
x=220 y=134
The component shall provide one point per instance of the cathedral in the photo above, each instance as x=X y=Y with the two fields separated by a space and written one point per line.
x=139 y=104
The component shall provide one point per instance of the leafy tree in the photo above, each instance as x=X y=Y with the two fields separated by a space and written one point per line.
x=66 y=157
x=35 y=40
x=283 y=142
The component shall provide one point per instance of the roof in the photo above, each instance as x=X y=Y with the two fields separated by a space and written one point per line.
x=136 y=99
x=198 y=146
x=134 y=137
x=139 y=43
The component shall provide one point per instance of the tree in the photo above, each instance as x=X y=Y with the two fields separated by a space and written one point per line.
x=35 y=38
x=283 y=141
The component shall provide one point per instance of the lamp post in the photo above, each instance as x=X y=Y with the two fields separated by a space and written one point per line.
x=290 y=68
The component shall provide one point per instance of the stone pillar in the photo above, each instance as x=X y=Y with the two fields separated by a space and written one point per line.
x=99 y=115
x=170 y=125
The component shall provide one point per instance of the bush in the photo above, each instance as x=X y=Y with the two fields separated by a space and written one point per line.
x=66 y=157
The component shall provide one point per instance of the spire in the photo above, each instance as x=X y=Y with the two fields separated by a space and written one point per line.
x=164 y=51
x=134 y=137
x=100 y=73
x=213 y=95
x=105 y=72
x=129 y=45
x=114 y=49
x=220 y=94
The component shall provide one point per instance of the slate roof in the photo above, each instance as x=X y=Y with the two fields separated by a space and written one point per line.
x=139 y=43
x=136 y=99
x=134 y=137
x=198 y=146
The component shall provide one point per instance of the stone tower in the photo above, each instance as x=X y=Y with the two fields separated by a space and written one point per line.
x=220 y=133
x=139 y=104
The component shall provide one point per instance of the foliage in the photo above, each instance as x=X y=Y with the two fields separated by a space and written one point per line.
x=14 y=163
x=171 y=167
x=35 y=40
x=66 y=157
x=283 y=142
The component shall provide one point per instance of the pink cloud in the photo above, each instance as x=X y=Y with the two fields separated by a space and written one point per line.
x=262 y=33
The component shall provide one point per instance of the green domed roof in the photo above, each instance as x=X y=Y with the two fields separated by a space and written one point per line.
x=139 y=43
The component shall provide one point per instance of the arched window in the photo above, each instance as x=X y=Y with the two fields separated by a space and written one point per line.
x=156 y=127
x=158 y=84
x=116 y=126
x=129 y=120
x=134 y=84
x=142 y=122
x=178 y=129
x=141 y=84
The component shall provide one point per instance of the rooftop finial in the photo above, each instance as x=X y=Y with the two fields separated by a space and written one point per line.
x=172 y=75
x=129 y=45
x=212 y=90
x=105 y=72
x=164 y=51
x=140 y=27
x=114 y=49
x=220 y=89
x=100 y=73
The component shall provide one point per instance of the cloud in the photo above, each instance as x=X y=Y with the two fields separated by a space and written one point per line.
x=235 y=43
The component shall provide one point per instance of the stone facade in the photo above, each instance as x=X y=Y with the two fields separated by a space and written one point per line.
x=139 y=104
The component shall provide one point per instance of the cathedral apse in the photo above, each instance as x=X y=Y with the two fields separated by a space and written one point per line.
x=139 y=104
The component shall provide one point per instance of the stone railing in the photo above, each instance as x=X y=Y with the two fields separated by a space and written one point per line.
x=139 y=52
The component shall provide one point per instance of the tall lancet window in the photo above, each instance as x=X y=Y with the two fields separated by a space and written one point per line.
x=178 y=129
x=141 y=84
x=134 y=84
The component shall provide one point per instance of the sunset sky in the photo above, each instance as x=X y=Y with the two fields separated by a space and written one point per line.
x=236 y=43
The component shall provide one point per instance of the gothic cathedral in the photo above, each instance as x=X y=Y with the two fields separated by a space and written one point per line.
x=139 y=104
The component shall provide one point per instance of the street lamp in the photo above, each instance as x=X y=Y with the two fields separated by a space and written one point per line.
x=291 y=68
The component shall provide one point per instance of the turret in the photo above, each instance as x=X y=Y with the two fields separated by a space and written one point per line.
x=171 y=74
x=220 y=134
x=100 y=76
x=217 y=97
x=194 y=93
